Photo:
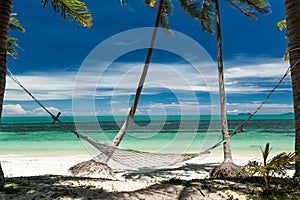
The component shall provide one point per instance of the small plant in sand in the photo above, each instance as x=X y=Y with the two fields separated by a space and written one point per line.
x=270 y=168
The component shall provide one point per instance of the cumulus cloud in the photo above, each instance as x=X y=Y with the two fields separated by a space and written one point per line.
x=18 y=110
x=40 y=111
x=14 y=109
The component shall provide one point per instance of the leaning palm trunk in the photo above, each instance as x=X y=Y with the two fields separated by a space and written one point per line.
x=227 y=168
x=118 y=138
x=292 y=9
x=5 y=7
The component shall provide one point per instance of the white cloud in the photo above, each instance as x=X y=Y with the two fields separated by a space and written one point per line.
x=40 y=111
x=14 y=109
x=273 y=68
x=235 y=111
x=44 y=86
x=18 y=110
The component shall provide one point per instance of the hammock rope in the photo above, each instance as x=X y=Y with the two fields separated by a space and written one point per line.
x=141 y=159
x=239 y=128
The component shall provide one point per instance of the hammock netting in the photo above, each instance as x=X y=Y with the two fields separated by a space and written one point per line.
x=134 y=158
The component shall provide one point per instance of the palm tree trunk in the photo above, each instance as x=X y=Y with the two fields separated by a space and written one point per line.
x=131 y=114
x=292 y=9
x=1 y=178
x=226 y=144
x=5 y=7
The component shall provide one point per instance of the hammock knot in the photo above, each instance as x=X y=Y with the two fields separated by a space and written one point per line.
x=55 y=118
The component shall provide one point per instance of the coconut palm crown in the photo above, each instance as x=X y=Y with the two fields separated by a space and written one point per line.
x=204 y=10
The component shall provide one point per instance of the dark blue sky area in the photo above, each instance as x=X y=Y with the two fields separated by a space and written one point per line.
x=50 y=42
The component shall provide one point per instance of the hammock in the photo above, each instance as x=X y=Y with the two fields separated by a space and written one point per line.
x=140 y=159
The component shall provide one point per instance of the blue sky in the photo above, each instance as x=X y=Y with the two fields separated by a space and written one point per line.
x=53 y=52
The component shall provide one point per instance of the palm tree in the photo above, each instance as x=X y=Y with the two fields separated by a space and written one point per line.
x=73 y=9
x=14 y=25
x=5 y=7
x=164 y=10
x=211 y=10
x=1 y=178
x=292 y=10
x=204 y=12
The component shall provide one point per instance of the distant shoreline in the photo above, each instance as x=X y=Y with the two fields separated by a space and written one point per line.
x=109 y=118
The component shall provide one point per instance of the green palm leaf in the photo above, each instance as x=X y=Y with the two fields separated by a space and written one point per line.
x=281 y=24
x=11 y=47
x=151 y=3
x=251 y=8
x=14 y=25
x=73 y=9
x=167 y=11
x=207 y=16
x=191 y=7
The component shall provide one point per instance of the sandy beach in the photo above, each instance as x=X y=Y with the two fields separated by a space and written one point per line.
x=48 y=177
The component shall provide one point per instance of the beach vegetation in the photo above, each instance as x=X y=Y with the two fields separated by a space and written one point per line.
x=269 y=169
x=246 y=187
x=292 y=11
x=13 y=189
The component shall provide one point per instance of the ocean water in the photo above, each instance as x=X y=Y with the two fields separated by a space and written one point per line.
x=38 y=136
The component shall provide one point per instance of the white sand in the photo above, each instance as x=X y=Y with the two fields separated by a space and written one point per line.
x=124 y=185
x=21 y=165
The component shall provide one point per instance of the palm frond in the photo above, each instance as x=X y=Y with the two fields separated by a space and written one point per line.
x=14 y=24
x=11 y=47
x=281 y=24
x=73 y=9
x=191 y=7
x=265 y=153
x=167 y=11
x=207 y=16
x=251 y=8
x=151 y=3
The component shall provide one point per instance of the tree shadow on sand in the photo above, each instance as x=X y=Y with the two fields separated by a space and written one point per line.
x=183 y=171
x=55 y=187
x=164 y=184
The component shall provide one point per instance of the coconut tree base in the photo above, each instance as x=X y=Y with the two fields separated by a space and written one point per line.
x=1 y=178
x=227 y=170
x=92 y=169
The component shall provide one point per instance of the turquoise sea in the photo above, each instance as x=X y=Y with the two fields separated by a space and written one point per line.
x=38 y=136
